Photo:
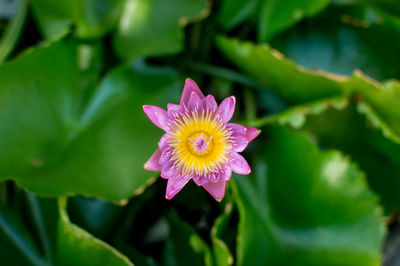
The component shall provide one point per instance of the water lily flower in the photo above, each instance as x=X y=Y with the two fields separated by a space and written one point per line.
x=198 y=143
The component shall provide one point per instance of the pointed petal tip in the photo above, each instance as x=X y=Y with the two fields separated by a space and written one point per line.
x=252 y=133
x=189 y=87
x=217 y=190
x=239 y=164
x=226 y=109
x=157 y=115
x=152 y=163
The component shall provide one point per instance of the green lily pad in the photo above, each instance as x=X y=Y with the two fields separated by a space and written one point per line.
x=54 y=143
x=363 y=140
x=307 y=207
x=77 y=247
x=342 y=40
x=305 y=85
x=155 y=27
x=273 y=69
x=296 y=116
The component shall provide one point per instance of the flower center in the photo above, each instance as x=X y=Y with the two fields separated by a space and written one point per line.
x=200 y=144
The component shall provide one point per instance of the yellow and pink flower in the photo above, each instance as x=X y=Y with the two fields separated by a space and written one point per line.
x=199 y=143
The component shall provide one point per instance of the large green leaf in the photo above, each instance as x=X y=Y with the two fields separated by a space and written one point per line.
x=280 y=74
x=76 y=247
x=380 y=102
x=355 y=129
x=301 y=85
x=306 y=207
x=53 y=143
x=344 y=39
x=358 y=137
x=92 y=18
x=278 y=15
x=297 y=116
x=154 y=27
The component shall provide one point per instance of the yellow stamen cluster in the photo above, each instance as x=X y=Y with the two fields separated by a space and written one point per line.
x=189 y=128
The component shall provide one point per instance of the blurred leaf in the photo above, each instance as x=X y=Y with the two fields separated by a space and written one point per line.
x=343 y=40
x=77 y=247
x=17 y=246
x=96 y=216
x=278 y=15
x=390 y=6
x=43 y=217
x=363 y=141
x=221 y=252
x=304 y=85
x=8 y=8
x=234 y=12
x=296 y=116
x=92 y=18
x=184 y=247
x=54 y=145
x=380 y=102
x=154 y=27
x=336 y=124
x=307 y=207
x=13 y=31
x=271 y=68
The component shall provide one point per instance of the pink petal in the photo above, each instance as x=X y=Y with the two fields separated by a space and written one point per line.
x=177 y=108
x=194 y=102
x=167 y=169
x=209 y=103
x=217 y=190
x=157 y=115
x=239 y=164
x=190 y=86
x=221 y=175
x=226 y=109
x=153 y=163
x=240 y=142
x=163 y=143
x=252 y=133
x=175 y=185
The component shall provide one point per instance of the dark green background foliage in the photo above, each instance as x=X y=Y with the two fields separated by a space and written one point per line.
x=318 y=77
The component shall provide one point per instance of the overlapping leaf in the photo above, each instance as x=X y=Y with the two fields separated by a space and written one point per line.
x=184 y=246
x=233 y=12
x=154 y=27
x=301 y=85
x=355 y=135
x=76 y=247
x=306 y=207
x=222 y=254
x=278 y=15
x=344 y=39
x=53 y=143
x=41 y=235
x=92 y=19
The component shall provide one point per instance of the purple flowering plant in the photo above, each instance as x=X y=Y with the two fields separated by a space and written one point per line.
x=199 y=142
x=79 y=172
